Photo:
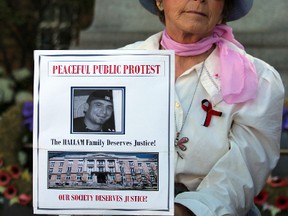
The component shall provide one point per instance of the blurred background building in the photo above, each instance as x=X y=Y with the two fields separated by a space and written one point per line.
x=264 y=31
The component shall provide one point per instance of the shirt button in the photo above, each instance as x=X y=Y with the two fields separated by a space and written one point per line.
x=177 y=104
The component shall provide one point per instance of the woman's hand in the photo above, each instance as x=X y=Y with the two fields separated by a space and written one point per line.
x=180 y=210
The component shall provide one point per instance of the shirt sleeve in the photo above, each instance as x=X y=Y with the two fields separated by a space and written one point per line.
x=232 y=183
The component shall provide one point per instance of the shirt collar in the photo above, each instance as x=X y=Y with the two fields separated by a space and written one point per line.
x=210 y=74
x=210 y=77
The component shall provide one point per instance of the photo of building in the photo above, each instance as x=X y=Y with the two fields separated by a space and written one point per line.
x=109 y=171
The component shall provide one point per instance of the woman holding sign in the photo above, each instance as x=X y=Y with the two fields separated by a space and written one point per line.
x=228 y=107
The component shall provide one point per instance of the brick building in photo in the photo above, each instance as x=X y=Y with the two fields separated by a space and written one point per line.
x=103 y=170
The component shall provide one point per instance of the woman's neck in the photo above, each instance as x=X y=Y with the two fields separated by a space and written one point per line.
x=183 y=63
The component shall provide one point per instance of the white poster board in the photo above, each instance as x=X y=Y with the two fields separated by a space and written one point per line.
x=103 y=132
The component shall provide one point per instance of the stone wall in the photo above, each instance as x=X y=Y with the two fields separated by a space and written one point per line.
x=264 y=31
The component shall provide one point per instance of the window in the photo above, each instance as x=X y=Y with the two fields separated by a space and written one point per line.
x=69 y=169
x=122 y=169
x=58 y=177
x=52 y=164
x=131 y=163
x=59 y=170
x=68 y=177
x=78 y=177
x=50 y=170
x=101 y=162
x=132 y=170
x=79 y=169
x=111 y=162
x=90 y=169
x=61 y=164
x=112 y=177
x=70 y=162
x=80 y=162
x=90 y=162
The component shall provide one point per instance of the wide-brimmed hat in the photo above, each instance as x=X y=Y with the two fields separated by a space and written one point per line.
x=238 y=9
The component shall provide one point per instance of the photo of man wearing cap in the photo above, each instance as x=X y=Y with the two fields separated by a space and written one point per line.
x=98 y=113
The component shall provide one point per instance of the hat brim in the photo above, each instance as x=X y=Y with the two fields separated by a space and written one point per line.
x=238 y=10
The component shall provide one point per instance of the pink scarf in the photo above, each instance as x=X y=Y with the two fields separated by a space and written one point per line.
x=238 y=78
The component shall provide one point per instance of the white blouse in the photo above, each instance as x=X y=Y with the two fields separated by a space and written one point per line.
x=226 y=163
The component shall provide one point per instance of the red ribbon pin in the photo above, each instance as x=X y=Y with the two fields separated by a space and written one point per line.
x=207 y=107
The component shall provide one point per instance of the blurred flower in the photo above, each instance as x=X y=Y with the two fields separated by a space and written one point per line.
x=10 y=192
x=277 y=182
x=26 y=175
x=6 y=90
x=21 y=74
x=24 y=199
x=261 y=198
x=15 y=172
x=285 y=119
x=4 y=178
x=16 y=160
x=22 y=157
x=282 y=202
x=23 y=96
x=271 y=208
x=27 y=112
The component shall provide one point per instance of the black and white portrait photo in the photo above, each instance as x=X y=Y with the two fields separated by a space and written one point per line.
x=97 y=110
